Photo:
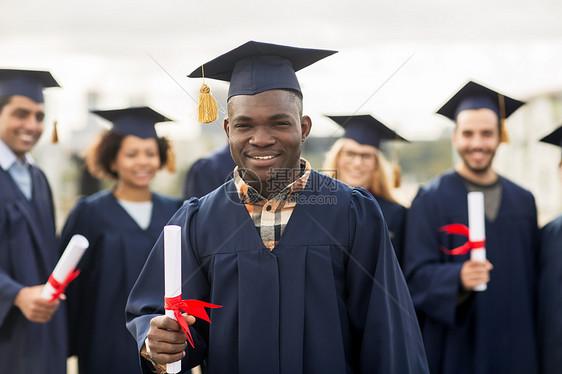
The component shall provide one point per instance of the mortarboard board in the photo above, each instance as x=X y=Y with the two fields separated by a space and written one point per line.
x=28 y=83
x=476 y=96
x=554 y=137
x=365 y=129
x=137 y=121
x=256 y=67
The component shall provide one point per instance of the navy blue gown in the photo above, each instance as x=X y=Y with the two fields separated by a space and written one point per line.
x=550 y=296
x=493 y=331
x=109 y=268
x=329 y=298
x=208 y=173
x=395 y=217
x=28 y=255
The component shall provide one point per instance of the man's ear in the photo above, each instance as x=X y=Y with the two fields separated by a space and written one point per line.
x=306 y=126
x=226 y=127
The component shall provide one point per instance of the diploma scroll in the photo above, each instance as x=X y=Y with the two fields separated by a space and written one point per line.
x=172 y=274
x=477 y=234
x=64 y=271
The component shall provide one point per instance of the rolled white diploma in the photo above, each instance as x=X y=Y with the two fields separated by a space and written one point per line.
x=476 y=229
x=172 y=275
x=67 y=263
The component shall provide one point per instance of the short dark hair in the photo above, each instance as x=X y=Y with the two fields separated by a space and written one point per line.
x=103 y=153
x=295 y=96
x=4 y=101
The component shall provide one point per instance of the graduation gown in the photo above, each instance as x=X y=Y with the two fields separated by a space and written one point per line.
x=329 y=298
x=208 y=173
x=110 y=266
x=550 y=297
x=28 y=255
x=493 y=331
x=395 y=217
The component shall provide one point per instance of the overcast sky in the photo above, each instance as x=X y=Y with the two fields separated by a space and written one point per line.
x=140 y=52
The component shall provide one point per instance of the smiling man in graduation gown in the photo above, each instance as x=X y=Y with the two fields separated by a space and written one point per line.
x=301 y=263
x=550 y=285
x=32 y=330
x=466 y=331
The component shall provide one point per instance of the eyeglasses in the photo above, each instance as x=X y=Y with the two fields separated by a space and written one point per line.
x=364 y=157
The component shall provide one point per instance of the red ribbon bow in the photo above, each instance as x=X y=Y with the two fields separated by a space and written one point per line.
x=460 y=229
x=194 y=307
x=60 y=287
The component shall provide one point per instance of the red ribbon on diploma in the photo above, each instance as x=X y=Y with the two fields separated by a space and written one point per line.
x=60 y=287
x=460 y=229
x=194 y=307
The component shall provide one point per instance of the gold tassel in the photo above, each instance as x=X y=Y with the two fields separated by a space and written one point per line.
x=504 y=138
x=207 y=106
x=171 y=159
x=397 y=175
x=208 y=111
x=55 y=137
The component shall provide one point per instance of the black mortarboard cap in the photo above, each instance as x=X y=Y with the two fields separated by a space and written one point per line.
x=476 y=96
x=256 y=67
x=365 y=129
x=137 y=121
x=28 y=83
x=554 y=137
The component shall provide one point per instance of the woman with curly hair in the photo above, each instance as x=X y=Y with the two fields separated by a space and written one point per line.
x=121 y=224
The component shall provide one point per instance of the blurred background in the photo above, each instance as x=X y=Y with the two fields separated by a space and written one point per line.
x=398 y=60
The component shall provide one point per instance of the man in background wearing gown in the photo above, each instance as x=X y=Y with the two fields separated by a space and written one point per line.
x=302 y=264
x=550 y=287
x=32 y=332
x=468 y=332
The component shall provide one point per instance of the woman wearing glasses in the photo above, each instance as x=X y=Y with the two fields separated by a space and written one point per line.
x=356 y=160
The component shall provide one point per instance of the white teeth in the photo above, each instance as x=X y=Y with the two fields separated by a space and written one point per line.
x=263 y=157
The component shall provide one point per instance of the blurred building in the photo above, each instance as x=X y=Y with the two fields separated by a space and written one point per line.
x=530 y=163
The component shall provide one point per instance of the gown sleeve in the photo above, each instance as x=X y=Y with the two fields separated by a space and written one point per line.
x=550 y=297
x=384 y=325
x=434 y=284
x=9 y=287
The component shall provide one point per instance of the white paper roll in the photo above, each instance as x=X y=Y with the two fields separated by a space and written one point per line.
x=172 y=274
x=67 y=263
x=477 y=229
